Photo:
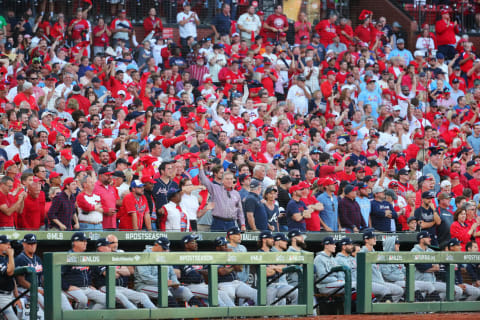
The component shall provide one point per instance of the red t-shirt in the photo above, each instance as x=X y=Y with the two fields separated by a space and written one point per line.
x=312 y=224
x=33 y=215
x=131 y=205
x=278 y=22
x=9 y=200
x=101 y=40
x=78 y=28
x=327 y=31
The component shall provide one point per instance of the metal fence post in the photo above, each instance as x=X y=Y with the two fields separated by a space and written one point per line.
x=307 y=287
x=262 y=285
x=364 y=280
x=53 y=283
x=347 y=304
x=162 y=301
x=450 y=282
x=213 y=285
x=110 y=287
x=410 y=283
x=33 y=294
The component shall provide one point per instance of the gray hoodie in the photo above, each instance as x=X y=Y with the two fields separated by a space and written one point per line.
x=420 y=268
x=392 y=272
x=376 y=274
x=323 y=264
x=350 y=262
x=148 y=275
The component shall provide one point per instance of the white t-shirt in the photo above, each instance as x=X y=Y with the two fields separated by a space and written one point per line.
x=298 y=98
x=189 y=28
x=250 y=23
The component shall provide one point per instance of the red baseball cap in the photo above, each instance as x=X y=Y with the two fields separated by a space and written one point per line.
x=8 y=164
x=328 y=181
x=54 y=174
x=331 y=73
x=300 y=122
x=67 y=182
x=454 y=175
x=80 y=168
x=67 y=154
x=418 y=135
x=146 y=179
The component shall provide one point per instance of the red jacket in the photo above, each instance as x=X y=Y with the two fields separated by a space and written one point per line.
x=460 y=232
x=446 y=32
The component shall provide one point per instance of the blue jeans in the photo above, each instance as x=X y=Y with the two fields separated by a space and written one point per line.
x=221 y=225
x=89 y=226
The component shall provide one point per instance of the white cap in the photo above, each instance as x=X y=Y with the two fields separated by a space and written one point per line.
x=27 y=85
x=235 y=34
x=121 y=92
x=397 y=108
x=445 y=183
x=418 y=53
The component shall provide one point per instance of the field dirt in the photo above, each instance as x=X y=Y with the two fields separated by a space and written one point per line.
x=429 y=316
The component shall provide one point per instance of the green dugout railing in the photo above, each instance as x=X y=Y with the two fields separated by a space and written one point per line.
x=150 y=236
x=33 y=291
x=364 y=281
x=54 y=261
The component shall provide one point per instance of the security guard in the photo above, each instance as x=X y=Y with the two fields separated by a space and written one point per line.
x=7 y=284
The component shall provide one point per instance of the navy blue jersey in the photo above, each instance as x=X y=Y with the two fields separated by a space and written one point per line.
x=22 y=260
x=6 y=281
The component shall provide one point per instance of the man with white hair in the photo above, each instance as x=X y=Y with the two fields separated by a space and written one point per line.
x=311 y=73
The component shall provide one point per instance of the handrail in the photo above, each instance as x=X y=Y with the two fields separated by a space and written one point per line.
x=54 y=261
x=364 y=281
x=347 y=305
x=150 y=236
x=33 y=291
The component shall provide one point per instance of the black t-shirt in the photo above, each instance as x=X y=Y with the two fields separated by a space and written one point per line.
x=6 y=281
x=426 y=215
x=283 y=199
x=22 y=260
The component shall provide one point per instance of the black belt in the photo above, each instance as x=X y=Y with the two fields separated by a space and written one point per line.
x=224 y=219
x=5 y=292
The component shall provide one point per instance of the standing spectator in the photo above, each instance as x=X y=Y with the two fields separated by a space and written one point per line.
x=297 y=211
x=163 y=184
x=152 y=23
x=255 y=210
x=32 y=217
x=462 y=230
x=134 y=213
x=221 y=24
x=172 y=217
x=249 y=25
x=329 y=214
x=446 y=216
x=228 y=206
x=446 y=30
x=8 y=205
x=302 y=27
x=188 y=22
x=90 y=210
x=427 y=217
x=62 y=214
x=66 y=166
x=101 y=37
x=109 y=198
x=78 y=26
x=327 y=29
x=276 y=23
x=121 y=29
x=382 y=213
x=349 y=213
x=298 y=95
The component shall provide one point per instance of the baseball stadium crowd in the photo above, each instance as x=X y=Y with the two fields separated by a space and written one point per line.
x=338 y=129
